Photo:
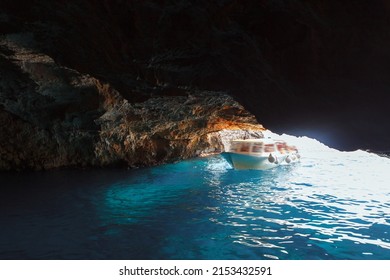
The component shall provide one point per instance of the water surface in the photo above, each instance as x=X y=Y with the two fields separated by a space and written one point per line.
x=331 y=205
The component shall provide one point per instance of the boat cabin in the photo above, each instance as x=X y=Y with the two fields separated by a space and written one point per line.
x=260 y=146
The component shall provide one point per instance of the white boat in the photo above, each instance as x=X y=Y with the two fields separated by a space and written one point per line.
x=260 y=153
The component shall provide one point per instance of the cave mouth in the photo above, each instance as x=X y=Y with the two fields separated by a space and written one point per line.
x=346 y=131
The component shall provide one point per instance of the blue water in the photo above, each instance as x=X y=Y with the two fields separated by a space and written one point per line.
x=331 y=205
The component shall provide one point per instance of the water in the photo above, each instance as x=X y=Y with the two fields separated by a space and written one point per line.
x=331 y=205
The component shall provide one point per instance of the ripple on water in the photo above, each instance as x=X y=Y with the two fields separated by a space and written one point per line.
x=203 y=209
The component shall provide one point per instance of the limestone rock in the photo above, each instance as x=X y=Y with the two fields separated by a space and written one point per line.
x=97 y=82
x=171 y=128
x=52 y=116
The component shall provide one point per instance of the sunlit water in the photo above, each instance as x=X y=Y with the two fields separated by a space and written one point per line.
x=331 y=205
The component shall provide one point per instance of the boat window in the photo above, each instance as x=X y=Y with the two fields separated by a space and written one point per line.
x=269 y=148
x=256 y=148
x=244 y=148
x=282 y=147
x=234 y=147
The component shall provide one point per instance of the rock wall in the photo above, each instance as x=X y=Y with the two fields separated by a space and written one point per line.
x=75 y=73
x=52 y=116
x=170 y=128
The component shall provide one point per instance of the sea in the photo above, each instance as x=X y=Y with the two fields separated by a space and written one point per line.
x=332 y=205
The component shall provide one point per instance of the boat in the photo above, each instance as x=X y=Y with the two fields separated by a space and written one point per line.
x=260 y=154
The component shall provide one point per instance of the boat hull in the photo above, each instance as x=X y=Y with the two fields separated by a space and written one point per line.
x=246 y=161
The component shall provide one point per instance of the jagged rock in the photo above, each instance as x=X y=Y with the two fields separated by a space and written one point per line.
x=170 y=128
x=53 y=116
x=100 y=82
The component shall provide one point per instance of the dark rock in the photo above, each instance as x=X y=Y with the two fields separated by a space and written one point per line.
x=170 y=128
x=80 y=75
x=52 y=116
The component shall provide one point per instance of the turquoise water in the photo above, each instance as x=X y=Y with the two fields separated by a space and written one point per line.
x=331 y=205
